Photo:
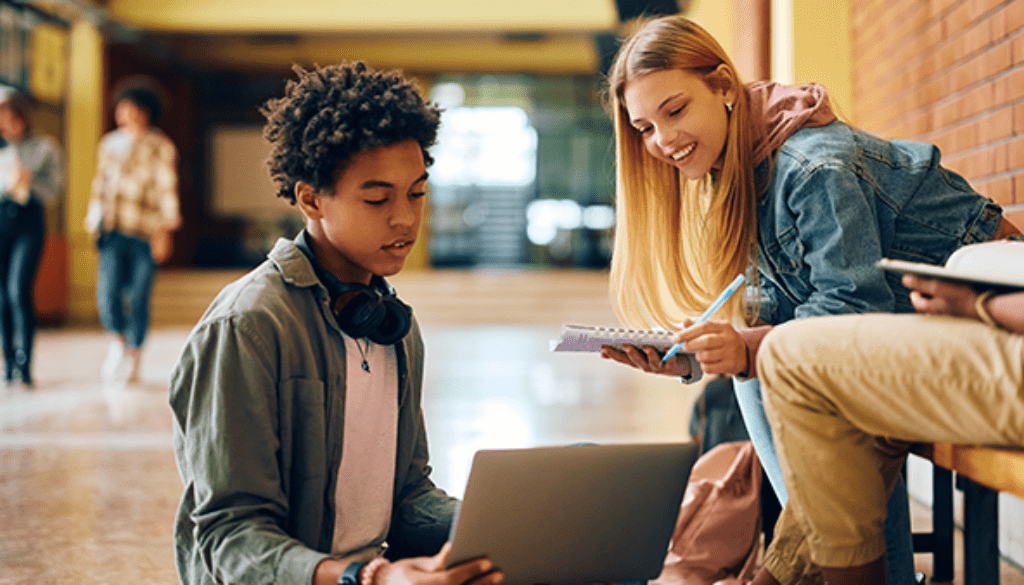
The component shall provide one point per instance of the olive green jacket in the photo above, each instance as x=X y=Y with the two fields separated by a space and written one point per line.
x=258 y=397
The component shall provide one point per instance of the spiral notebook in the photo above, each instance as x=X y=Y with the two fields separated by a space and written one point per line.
x=591 y=338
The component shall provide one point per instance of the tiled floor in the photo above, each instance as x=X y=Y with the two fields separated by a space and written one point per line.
x=88 y=487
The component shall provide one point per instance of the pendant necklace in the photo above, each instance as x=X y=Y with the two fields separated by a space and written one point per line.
x=362 y=352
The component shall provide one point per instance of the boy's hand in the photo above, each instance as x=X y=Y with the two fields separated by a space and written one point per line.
x=431 y=571
x=938 y=297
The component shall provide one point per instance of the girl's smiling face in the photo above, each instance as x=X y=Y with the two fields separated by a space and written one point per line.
x=680 y=117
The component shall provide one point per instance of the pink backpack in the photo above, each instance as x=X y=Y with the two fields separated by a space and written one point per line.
x=718 y=533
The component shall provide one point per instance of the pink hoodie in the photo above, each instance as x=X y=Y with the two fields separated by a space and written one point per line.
x=777 y=111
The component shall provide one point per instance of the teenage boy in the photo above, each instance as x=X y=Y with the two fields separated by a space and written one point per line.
x=298 y=430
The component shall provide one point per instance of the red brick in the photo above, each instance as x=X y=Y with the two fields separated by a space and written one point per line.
x=1000 y=191
x=981 y=164
x=980 y=8
x=932 y=35
x=1014 y=16
x=1015 y=154
x=1015 y=83
x=963 y=76
x=999 y=158
x=998 y=58
x=946 y=142
x=1018 y=118
x=997 y=125
x=1000 y=91
x=933 y=92
x=957 y=19
x=949 y=113
x=941 y=6
x=1018 y=194
x=945 y=56
x=998 y=24
x=978 y=100
x=977 y=37
x=966 y=137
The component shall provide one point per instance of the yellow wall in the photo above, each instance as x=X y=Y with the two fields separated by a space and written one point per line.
x=717 y=17
x=83 y=110
x=220 y=16
x=817 y=48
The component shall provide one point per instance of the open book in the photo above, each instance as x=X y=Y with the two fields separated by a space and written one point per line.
x=591 y=338
x=998 y=264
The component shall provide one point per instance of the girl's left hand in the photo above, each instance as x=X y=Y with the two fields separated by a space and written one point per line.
x=717 y=346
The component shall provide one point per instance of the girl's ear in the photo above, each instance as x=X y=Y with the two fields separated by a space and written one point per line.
x=307 y=199
x=722 y=79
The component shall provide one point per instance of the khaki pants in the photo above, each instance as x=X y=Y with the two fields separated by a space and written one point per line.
x=847 y=395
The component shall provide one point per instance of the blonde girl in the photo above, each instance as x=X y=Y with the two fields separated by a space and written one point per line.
x=716 y=178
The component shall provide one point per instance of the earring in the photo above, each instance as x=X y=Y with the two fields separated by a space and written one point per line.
x=728 y=107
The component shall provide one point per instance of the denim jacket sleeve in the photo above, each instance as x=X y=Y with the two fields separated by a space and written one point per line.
x=824 y=239
x=228 y=406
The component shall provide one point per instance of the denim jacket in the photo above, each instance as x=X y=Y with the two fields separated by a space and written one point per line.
x=838 y=200
x=258 y=397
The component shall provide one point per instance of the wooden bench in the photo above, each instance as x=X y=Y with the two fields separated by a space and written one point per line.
x=981 y=473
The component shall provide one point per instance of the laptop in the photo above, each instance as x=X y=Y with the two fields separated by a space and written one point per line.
x=579 y=514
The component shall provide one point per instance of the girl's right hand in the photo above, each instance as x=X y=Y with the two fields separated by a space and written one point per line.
x=431 y=571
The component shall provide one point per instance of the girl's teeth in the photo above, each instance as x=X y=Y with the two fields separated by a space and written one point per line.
x=682 y=155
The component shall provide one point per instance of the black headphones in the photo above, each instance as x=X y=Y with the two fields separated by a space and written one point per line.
x=375 y=312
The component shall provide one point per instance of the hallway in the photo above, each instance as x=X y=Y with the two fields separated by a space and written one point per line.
x=89 y=485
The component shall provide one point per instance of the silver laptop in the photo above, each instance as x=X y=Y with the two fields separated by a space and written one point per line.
x=578 y=514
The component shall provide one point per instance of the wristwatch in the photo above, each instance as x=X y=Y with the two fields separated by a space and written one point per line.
x=350 y=576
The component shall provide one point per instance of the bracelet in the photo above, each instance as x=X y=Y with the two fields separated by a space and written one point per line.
x=370 y=570
x=979 y=307
x=350 y=576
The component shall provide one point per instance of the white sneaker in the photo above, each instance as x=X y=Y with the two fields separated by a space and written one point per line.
x=116 y=367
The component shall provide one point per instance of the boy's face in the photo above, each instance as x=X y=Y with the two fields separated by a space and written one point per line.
x=369 y=224
x=130 y=116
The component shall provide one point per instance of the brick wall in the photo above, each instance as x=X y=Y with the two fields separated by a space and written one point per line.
x=948 y=72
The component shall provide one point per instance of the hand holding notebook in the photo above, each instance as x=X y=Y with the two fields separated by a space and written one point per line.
x=997 y=265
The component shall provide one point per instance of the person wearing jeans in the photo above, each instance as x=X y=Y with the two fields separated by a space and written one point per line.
x=133 y=210
x=125 y=274
x=31 y=174
x=717 y=178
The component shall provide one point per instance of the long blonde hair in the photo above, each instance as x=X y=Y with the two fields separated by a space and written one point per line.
x=678 y=243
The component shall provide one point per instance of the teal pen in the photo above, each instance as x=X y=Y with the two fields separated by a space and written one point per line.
x=728 y=292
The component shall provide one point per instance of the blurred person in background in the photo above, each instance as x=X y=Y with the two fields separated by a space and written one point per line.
x=31 y=175
x=132 y=214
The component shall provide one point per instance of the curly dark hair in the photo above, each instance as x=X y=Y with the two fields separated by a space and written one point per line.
x=146 y=99
x=331 y=113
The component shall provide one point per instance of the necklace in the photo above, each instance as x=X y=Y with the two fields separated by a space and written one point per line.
x=362 y=352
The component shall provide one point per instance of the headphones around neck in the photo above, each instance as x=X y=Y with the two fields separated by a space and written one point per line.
x=374 y=312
